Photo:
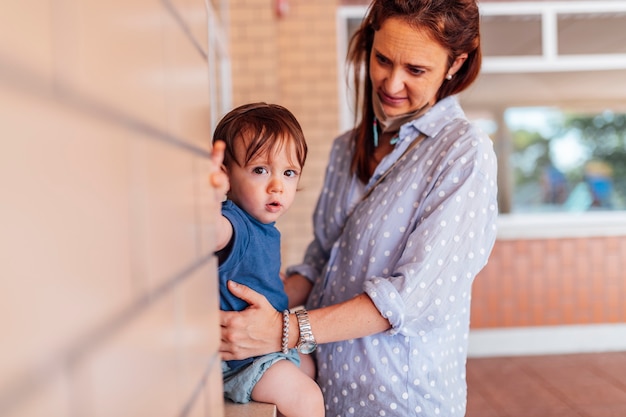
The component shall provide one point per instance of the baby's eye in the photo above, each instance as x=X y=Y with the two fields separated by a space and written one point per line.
x=291 y=173
x=259 y=170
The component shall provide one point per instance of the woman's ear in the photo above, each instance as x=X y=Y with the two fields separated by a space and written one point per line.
x=457 y=64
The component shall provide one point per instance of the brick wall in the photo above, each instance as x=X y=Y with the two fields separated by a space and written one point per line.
x=108 y=301
x=543 y=282
x=291 y=60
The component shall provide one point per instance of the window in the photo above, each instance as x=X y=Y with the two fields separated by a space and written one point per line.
x=565 y=161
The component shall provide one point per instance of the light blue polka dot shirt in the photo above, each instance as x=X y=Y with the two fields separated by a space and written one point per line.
x=414 y=245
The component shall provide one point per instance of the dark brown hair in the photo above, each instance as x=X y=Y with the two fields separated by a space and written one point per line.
x=454 y=24
x=267 y=127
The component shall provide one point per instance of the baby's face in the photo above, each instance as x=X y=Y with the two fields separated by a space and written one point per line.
x=266 y=186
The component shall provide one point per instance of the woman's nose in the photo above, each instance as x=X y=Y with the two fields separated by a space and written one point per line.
x=394 y=81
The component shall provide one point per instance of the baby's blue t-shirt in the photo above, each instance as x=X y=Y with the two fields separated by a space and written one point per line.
x=254 y=260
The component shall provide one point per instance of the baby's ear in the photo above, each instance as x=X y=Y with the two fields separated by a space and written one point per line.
x=224 y=169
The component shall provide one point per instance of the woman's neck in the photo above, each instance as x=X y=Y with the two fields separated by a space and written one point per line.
x=383 y=149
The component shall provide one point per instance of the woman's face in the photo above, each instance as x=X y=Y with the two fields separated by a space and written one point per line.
x=407 y=67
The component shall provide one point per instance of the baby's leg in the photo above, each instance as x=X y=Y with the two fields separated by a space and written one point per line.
x=307 y=365
x=293 y=392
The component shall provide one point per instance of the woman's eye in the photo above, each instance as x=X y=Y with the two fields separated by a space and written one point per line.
x=415 y=71
x=381 y=59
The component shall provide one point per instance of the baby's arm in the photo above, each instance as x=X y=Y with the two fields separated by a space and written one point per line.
x=220 y=183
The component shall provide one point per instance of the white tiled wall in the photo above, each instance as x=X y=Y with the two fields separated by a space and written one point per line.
x=108 y=295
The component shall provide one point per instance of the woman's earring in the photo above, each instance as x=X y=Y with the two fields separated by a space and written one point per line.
x=449 y=77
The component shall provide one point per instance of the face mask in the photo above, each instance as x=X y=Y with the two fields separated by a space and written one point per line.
x=392 y=124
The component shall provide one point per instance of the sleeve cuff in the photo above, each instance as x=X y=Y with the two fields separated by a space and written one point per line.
x=305 y=270
x=388 y=302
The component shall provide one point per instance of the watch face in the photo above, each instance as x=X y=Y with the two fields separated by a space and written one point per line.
x=307 y=347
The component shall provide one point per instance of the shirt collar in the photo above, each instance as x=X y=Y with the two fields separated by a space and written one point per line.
x=433 y=121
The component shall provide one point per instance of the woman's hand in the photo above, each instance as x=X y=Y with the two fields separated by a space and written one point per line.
x=255 y=331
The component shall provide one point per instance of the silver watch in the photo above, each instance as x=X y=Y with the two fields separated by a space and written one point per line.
x=307 y=343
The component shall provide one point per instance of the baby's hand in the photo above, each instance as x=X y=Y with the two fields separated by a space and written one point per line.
x=218 y=178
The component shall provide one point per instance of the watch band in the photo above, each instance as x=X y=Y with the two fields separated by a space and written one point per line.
x=306 y=343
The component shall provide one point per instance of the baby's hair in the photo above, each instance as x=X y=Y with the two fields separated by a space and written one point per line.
x=268 y=127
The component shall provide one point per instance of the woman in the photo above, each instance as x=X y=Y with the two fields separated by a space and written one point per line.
x=404 y=223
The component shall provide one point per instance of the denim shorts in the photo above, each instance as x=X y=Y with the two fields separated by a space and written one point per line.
x=238 y=383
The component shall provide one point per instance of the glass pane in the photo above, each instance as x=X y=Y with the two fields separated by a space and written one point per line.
x=592 y=33
x=518 y=35
x=567 y=161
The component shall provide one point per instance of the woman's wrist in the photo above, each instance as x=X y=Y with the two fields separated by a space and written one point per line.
x=306 y=343
x=294 y=331
x=285 y=339
x=290 y=331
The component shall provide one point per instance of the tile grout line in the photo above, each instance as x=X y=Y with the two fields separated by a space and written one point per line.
x=597 y=370
x=184 y=26
x=29 y=82
x=198 y=390
x=33 y=379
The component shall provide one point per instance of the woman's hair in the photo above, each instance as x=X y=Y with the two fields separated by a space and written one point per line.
x=454 y=24
x=265 y=127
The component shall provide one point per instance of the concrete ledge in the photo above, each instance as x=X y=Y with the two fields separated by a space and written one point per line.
x=251 y=409
x=544 y=340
